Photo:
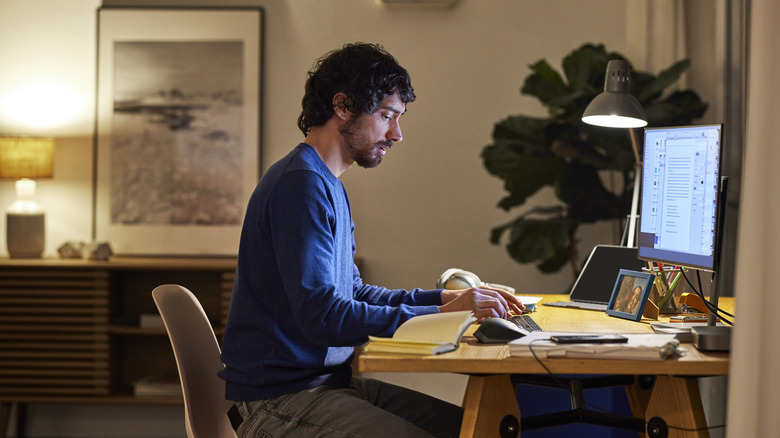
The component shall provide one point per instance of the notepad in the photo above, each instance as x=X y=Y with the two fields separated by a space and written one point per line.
x=639 y=346
x=434 y=333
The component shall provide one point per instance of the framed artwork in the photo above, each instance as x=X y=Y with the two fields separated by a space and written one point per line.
x=177 y=143
x=630 y=294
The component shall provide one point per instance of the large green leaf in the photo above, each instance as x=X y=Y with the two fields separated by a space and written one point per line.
x=557 y=261
x=585 y=68
x=529 y=153
x=580 y=187
x=522 y=133
x=613 y=145
x=647 y=87
x=533 y=171
x=531 y=240
x=679 y=108
x=544 y=83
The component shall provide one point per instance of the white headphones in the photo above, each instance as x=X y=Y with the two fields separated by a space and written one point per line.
x=455 y=278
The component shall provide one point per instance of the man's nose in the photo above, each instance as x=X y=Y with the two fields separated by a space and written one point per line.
x=394 y=133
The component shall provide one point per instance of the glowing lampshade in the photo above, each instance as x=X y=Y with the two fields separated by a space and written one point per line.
x=26 y=159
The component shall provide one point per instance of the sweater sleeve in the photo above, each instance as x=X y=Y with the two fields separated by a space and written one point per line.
x=393 y=297
x=317 y=271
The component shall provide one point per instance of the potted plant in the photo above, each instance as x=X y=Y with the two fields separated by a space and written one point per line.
x=529 y=153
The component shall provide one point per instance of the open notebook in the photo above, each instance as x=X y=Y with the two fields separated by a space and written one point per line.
x=434 y=333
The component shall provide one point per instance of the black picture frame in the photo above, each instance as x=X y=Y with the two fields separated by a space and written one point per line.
x=177 y=128
x=630 y=294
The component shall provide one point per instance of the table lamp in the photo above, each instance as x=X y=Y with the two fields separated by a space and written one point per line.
x=26 y=158
x=617 y=108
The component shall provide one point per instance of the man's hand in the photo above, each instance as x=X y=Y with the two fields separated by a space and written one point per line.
x=484 y=301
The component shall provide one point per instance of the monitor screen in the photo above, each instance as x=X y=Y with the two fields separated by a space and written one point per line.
x=679 y=201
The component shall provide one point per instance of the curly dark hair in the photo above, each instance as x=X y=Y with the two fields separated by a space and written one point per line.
x=365 y=73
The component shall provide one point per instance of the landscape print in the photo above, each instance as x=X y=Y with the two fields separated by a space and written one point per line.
x=177 y=146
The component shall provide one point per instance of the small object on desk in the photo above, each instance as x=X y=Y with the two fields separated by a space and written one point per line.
x=425 y=334
x=498 y=330
x=691 y=317
x=529 y=302
x=712 y=338
x=598 y=307
x=589 y=339
x=693 y=301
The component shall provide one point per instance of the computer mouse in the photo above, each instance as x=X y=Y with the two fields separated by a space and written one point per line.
x=495 y=330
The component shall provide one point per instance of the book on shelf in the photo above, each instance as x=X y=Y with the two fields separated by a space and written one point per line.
x=150 y=321
x=434 y=333
x=639 y=346
x=157 y=386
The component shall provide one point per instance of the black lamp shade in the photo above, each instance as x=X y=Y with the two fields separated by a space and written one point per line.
x=615 y=107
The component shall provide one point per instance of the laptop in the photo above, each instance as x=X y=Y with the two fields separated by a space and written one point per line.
x=594 y=286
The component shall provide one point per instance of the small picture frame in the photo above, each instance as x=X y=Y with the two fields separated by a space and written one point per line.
x=630 y=294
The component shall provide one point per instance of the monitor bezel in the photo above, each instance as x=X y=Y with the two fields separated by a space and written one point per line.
x=659 y=258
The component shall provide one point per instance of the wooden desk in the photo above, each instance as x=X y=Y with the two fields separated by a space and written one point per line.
x=490 y=396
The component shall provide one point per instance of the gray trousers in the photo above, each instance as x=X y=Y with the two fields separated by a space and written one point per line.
x=367 y=408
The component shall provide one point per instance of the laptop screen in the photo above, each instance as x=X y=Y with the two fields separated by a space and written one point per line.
x=598 y=276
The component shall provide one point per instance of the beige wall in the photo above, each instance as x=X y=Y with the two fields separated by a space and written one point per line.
x=429 y=206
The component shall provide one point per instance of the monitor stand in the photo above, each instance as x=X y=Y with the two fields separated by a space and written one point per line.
x=712 y=338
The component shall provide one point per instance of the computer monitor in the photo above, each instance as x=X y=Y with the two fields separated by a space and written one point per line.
x=680 y=198
x=682 y=209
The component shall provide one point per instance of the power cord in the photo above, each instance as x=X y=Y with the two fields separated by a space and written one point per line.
x=712 y=308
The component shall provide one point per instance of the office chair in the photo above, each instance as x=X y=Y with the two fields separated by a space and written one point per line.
x=198 y=360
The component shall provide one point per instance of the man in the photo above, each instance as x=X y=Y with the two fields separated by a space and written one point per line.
x=299 y=305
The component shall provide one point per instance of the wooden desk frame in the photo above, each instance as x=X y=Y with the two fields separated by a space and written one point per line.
x=490 y=395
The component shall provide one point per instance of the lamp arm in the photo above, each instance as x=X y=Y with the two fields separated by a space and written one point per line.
x=634 y=215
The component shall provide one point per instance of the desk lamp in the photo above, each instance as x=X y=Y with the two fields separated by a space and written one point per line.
x=616 y=108
x=24 y=158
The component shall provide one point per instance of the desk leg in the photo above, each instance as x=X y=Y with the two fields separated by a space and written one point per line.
x=676 y=400
x=487 y=403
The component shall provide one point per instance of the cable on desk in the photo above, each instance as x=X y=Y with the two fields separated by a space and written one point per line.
x=712 y=308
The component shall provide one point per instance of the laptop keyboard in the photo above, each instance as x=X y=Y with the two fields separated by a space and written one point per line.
x=526 y=323
x=577 y=305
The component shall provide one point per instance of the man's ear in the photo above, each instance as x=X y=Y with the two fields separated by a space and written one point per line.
x=340 y=106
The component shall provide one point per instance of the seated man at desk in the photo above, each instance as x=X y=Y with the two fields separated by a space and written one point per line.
x=299 y=305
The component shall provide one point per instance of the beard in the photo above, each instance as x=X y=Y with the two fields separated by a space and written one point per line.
x=353 y=134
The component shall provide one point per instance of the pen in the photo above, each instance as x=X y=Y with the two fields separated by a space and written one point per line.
x=663 y=275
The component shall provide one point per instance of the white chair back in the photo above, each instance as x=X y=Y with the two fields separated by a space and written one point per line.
x=198 y=359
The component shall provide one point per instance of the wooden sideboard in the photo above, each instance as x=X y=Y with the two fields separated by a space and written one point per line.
x=71 y=331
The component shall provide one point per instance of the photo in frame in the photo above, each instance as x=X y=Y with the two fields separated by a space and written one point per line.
x=177 y=142
x=630 y=294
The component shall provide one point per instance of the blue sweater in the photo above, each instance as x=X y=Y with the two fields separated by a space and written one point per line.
x=299 y=305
